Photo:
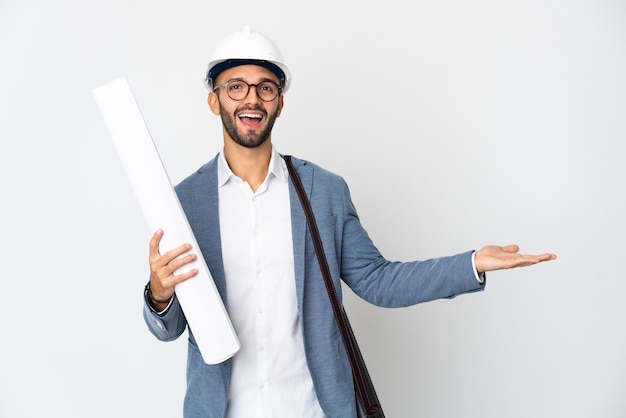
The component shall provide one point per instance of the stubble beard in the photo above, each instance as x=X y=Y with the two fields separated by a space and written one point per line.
x=248 y=139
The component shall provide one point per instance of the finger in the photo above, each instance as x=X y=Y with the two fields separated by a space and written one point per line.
x=166 y=286
x=175 y=253
x=528 y=260
x=184 y=276
x=181 y=261
x=154 y=243
x=546 y=257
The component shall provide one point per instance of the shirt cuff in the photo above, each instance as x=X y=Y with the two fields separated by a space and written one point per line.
x=480 y=277
x=147 y=301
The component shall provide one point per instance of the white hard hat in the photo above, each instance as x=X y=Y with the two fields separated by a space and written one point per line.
x=247 y=47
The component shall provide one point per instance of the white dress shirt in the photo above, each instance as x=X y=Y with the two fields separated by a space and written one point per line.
x=270 y=376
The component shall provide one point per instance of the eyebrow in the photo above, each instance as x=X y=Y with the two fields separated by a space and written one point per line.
x=262 y=80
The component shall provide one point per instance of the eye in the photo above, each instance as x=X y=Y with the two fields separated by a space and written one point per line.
x=267 y=87
x=236 y=86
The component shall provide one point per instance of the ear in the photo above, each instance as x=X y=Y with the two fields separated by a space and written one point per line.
x=214 y=103
x=281 y=103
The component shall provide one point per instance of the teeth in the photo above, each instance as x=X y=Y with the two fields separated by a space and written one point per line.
x=250 y=115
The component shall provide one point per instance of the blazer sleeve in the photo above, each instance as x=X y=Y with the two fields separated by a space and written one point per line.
x=168 y=325
x=398 y=284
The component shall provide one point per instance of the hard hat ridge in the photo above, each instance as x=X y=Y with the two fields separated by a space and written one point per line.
x=247 y=47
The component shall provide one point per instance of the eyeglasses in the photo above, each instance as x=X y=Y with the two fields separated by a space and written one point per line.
x=238 y=89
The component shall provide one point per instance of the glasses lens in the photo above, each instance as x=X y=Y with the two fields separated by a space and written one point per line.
x=267 y=91
x=237 y=90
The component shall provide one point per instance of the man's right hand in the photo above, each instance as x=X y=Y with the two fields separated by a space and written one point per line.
x=162 y=268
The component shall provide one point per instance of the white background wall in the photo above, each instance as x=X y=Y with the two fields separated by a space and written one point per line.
x=457 y=124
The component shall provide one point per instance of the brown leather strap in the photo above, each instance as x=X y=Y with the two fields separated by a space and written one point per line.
x=362 y=381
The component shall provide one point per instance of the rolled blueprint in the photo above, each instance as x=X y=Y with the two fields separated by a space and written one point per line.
x=198 y=296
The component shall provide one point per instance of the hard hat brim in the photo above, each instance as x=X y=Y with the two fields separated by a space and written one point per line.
x=224 y=65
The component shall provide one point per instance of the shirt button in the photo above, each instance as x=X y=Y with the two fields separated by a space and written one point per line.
x=261 y=348
x=261 y=386
x=260 y=310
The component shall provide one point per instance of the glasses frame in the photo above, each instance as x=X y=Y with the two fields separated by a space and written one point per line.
x=225 y=86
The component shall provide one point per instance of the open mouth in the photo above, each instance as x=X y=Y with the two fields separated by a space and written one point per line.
x=250 y=119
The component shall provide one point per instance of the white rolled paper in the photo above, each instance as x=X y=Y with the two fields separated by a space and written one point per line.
x=198 y=296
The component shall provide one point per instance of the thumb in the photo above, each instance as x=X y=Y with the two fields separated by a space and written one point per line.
x=512 y=248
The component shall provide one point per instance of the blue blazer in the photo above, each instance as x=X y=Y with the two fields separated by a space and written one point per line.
x=352 y=257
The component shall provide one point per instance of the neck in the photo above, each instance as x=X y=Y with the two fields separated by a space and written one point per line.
x=249 y=164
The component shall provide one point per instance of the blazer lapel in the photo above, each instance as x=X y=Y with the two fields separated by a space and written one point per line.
x=299 y=226
x=206 y=224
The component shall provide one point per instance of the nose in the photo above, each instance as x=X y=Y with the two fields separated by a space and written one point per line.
x=252 y=97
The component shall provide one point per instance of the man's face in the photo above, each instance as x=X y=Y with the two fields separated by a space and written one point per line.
x=249 y=121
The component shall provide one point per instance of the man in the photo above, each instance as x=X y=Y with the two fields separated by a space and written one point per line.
x=252 y=233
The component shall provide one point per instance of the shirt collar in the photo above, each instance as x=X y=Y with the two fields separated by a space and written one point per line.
x=277 y=168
